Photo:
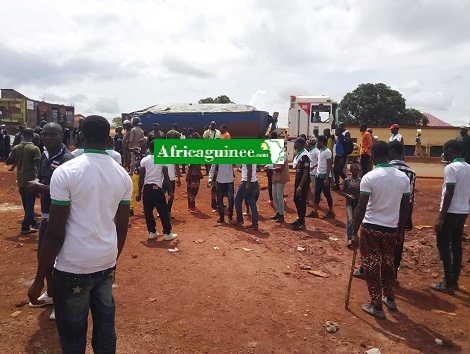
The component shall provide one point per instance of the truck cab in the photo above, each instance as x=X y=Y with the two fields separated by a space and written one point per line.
x=307 y=113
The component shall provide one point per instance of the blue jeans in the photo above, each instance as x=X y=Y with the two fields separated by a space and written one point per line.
x=28 y=199
x=251 y=198
x=278 y=197
x=225 y=189
x=74 y=295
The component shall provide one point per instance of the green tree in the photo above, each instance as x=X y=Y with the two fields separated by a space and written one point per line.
x=413 y=115
x=219 y=99
x=206 y=100
x=116 y=122
x=374 y=104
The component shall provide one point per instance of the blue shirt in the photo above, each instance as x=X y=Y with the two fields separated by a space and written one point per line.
x=339 y=145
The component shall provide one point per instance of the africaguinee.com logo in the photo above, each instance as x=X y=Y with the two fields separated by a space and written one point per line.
x=218 y=151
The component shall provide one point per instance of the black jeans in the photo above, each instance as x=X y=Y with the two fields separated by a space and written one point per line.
x=269 y=175
x=338 y=168
x=449 y=244
x=165 y=190
x=154 y=198
x=319 y=188
x=409 y=222
x=301 y=204
x=225 y=189
x=365 y=159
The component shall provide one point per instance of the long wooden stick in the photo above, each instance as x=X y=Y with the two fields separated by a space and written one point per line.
x=348 y=292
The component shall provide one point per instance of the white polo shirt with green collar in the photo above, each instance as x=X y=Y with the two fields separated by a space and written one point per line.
x=323 y=156
x=457 y=173
x=385 y=186
x=94 y=185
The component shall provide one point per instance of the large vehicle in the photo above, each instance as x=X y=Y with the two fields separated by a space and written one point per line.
x=243 y=121
x=307 y=113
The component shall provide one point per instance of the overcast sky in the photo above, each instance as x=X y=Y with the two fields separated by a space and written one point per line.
x=113 y=56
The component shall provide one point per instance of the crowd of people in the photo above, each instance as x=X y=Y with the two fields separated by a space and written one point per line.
x=78 y=261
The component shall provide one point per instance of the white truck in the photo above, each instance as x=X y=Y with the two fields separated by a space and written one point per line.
x=307 y=113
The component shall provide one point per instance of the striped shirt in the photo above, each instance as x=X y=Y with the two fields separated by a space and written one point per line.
x=403 y=167
x=224 y=173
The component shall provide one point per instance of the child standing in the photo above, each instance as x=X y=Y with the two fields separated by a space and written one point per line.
x=351 y=192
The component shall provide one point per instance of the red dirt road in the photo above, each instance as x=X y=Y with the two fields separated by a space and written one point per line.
x=228 y=290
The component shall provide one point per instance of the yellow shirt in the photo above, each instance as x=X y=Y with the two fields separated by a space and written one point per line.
x=330 y=143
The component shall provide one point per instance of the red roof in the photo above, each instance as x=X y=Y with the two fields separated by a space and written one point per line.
x=436 y=122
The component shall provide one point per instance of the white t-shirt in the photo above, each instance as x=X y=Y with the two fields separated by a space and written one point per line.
x=212 y=134
x=323 y=156
x=77 y=152
x=224 y=173
x=153 y=172
x=314 y=153
x=457 y=173
x=385 y=186
x=94 y=185
x=171 y=171
x=397 y=137
x=115 y=155
x=245 y=173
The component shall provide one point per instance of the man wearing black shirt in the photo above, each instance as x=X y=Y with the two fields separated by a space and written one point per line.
x=301 y=164
x=55 y=155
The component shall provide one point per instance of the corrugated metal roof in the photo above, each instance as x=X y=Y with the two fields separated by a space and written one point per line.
x=436 y=122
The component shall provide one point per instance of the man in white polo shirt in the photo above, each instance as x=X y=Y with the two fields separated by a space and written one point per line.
x=151 y=179
x=381 y=215
x=322 y=179
x=86 y=234
x=454 y=210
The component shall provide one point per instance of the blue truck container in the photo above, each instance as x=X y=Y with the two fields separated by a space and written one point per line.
x=242 y=121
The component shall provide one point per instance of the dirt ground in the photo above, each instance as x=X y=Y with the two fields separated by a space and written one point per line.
x=229 y=290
